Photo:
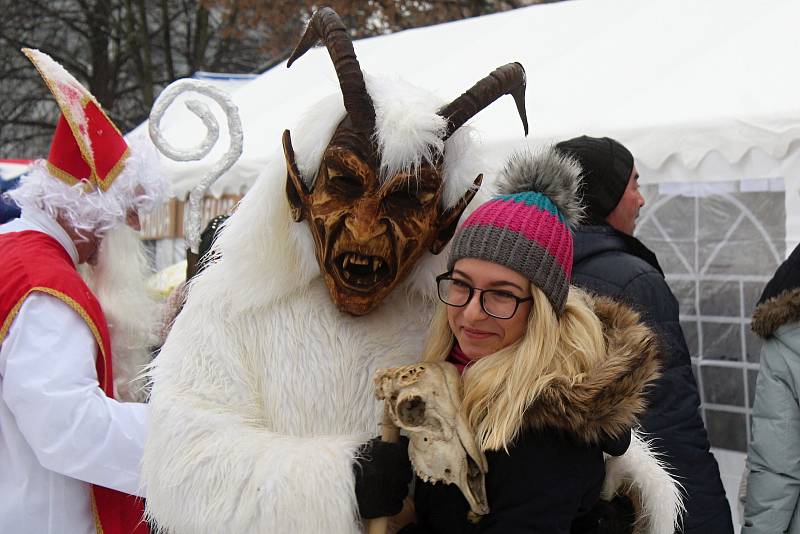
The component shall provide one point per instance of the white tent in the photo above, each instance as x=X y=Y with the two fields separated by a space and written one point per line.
x=700 y=91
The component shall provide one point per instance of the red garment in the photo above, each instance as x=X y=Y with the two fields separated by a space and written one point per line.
x=459 y=359
x=35 y=262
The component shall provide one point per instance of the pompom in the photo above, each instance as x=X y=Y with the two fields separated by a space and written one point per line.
x=549 y=172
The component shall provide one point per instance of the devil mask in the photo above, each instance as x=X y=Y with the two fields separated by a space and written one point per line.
x=370 y=229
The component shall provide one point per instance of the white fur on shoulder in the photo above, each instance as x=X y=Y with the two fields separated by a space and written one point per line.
x=265 y=255
x=256 y=415
x=642 y=472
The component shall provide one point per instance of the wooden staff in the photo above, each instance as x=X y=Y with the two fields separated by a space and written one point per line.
x=391 y=434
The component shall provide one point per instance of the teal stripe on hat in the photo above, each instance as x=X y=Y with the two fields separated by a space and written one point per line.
x=532 y=198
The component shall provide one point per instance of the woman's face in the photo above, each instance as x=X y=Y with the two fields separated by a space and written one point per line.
x=478 y=333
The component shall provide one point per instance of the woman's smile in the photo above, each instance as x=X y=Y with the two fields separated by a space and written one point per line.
x=476 y=334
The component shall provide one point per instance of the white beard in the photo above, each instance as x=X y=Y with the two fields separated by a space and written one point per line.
x=119 y=283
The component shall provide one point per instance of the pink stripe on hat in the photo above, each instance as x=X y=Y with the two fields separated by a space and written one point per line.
x=531 y=222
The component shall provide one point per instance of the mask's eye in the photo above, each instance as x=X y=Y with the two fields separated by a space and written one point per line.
x=344 y=185
x=402 y=199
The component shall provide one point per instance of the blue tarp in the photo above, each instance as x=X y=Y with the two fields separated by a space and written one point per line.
x=8 y=209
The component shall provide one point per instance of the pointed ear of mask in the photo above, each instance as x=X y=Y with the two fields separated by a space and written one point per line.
x=296 y=190
x=448 y=220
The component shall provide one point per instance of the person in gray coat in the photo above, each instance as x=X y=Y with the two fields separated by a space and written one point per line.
x=773 y=485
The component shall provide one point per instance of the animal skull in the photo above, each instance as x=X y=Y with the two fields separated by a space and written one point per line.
x=425 y=399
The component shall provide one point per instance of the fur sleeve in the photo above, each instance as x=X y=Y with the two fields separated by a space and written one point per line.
x=212 y=464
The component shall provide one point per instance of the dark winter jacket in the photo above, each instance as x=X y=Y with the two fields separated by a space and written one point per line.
x=608 y=262
x=786 y=278
x=773 y=485
x=8 y=208
x=552 y=475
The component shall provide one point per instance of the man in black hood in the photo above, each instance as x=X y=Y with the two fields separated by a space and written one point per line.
x=608 y=260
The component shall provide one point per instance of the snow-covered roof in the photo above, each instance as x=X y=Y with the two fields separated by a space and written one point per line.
x=697 y=90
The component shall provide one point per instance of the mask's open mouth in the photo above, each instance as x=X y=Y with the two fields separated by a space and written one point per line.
x=359 y=272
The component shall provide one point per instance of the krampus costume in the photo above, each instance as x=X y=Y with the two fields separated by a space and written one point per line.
x=263 y=393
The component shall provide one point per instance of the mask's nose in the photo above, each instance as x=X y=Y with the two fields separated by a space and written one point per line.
x=364 y=223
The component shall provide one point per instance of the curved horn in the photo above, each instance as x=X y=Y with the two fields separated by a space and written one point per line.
x=505 y=80
x=325 y=24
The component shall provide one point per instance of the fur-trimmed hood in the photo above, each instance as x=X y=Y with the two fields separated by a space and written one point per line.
x=606 y=401
x=776 y=312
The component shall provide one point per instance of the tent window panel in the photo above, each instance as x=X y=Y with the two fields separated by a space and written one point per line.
x=699 y=232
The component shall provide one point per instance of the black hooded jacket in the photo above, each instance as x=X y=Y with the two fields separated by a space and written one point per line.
x=608 y=262
x=549 y=480
x=786 y=278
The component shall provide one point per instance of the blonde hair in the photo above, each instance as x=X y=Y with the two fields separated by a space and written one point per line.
x=500 y=387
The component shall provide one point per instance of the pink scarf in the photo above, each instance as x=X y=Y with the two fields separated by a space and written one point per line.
x=459 y=359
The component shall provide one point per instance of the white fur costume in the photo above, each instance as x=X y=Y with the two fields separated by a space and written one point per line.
x=263 y=391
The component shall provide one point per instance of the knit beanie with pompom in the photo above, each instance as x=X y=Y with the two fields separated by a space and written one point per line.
x=528 y=226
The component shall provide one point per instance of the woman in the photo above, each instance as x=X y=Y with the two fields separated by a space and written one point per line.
x=773 y=484
x=553 y=378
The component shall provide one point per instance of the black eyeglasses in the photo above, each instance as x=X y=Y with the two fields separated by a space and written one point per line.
x=495 y=302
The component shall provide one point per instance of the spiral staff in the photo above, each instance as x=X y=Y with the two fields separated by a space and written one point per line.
x=192 y=217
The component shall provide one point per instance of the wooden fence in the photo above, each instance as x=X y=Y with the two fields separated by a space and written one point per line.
x=166 y=221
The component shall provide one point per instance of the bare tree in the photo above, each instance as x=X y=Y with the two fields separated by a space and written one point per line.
x=126 y=51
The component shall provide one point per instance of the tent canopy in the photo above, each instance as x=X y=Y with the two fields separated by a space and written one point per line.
x=11 y=169
x=698 y=90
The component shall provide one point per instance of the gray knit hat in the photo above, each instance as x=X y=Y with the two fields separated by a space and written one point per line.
x=527 y=227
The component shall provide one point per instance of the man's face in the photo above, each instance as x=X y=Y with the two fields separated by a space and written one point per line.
x=624 y=216
x=88 y=248
x=88 y=243
x=132 y=219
